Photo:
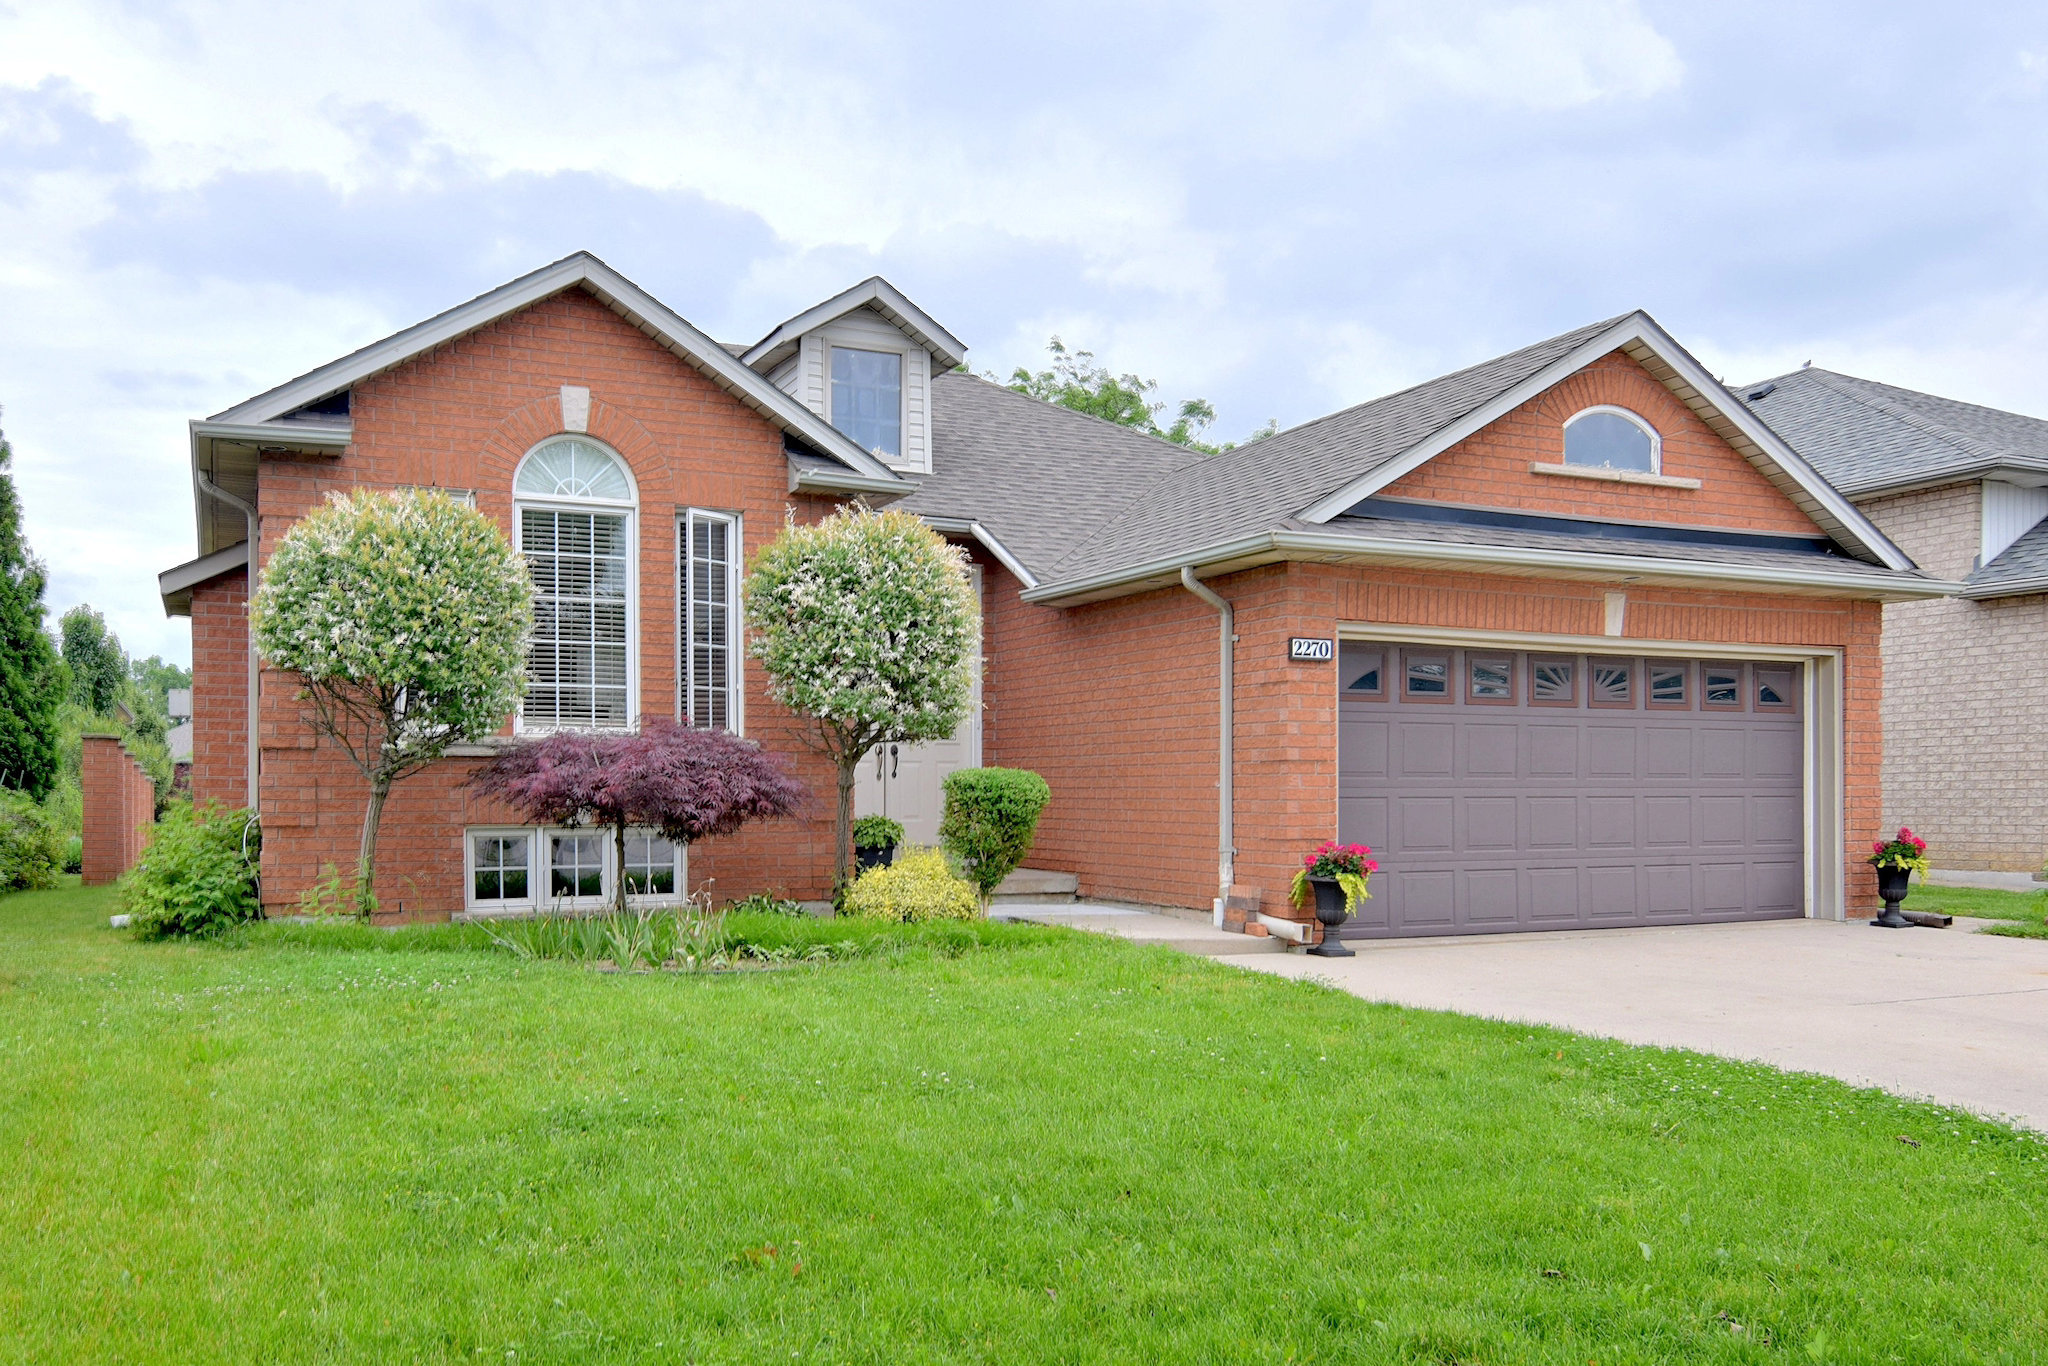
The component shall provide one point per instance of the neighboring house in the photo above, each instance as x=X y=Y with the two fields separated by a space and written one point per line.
x=178 y=739
x=1964 y=491
x=1570 y=637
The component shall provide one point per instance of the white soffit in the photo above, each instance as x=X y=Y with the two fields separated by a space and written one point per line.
x=1639 y=336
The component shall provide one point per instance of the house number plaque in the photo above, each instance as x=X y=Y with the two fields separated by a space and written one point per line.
x=1312 y=649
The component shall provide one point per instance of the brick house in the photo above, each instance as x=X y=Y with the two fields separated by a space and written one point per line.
x=1570 y=636
x=1964 y=490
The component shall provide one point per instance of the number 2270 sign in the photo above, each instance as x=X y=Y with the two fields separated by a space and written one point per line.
x=1311 y=648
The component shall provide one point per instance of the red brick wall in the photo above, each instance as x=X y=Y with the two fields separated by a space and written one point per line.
x=1115 y=703
x=220 y=690
x=120 y=807
x=462 y=417
x=1490 y=468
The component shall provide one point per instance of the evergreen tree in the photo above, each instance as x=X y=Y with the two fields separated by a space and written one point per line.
x=30 y=688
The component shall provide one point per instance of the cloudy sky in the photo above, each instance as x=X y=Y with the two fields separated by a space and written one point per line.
x=1285 y=208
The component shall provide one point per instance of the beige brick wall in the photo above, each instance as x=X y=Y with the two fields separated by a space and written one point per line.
x=1965 y=701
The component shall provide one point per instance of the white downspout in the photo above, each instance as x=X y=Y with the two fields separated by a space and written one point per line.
x=248 y=511
x=1226 y=848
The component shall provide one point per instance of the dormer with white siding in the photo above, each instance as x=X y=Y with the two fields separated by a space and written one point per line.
x=864 y=360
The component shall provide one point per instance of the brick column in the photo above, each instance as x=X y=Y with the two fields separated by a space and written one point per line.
x=120 y=807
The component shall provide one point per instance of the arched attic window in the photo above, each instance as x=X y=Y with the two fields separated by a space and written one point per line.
x=575 y=520
x=1613 y=439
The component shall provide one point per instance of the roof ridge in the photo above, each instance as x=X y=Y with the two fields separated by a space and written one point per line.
x=1940 y=432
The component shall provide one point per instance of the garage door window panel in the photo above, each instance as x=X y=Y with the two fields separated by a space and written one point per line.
x=1670 y=687
x=1721 y=687
x=1490 y=680
x=1611 y=683
x=1364 y=670
x=1425 y=677
x=1553 y=682
x=1776 y=689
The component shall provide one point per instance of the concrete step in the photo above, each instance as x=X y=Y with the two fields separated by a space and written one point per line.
x=1036 y=886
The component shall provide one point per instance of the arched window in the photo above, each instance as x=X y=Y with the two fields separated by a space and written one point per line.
x=574 y=516
x=1612 y=438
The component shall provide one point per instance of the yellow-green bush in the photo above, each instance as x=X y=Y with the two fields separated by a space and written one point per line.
x=917 y=886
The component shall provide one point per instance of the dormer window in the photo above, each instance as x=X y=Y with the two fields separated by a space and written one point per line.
x=867 y=399
x=1612 y=439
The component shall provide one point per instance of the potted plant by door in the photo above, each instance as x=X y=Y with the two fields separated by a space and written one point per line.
x=1896 y=860
x=1336 y=876
x=874 y=841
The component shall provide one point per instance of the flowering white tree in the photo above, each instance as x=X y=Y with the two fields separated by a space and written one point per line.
x=406 y=617
x=867 y=624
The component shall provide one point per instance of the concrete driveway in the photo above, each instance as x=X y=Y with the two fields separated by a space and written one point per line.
x=1941 y=1014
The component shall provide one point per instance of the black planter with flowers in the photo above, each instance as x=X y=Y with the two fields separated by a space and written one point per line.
x=1895 y=861
x=1336 y=876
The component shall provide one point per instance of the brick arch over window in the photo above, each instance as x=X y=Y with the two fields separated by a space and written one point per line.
x=532 y=423
x=1491 y=468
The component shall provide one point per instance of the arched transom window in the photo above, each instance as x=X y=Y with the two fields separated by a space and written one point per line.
x=1612 y=438
x=575 y=521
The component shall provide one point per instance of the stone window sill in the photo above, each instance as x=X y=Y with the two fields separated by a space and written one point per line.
x=1607 y=476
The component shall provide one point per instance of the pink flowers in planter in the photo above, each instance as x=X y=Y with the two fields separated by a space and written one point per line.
x=1331 y=858
x=1903 y=850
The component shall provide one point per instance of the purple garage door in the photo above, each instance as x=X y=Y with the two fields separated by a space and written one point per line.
x=1508 y=790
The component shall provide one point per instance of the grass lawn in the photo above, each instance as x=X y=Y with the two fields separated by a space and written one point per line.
x=2020 y=913
x=1045 y=1148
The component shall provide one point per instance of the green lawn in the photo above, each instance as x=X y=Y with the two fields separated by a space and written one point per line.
x=2020 y=913
x=1048 y=1148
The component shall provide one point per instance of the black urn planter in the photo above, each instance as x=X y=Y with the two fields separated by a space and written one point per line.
x=1892 y=885
x=880 y=856
x=1330 y=911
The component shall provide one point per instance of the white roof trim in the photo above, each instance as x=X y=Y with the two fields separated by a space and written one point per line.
x=275 y=435
x=806 y=478
x=1821 y=500
x=1905 y=585
x=619 y=294
x=960 y=526
x=885 y=299
x=179 y=580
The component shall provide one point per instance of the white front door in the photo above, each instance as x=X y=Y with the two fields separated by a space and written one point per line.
x=907 y=782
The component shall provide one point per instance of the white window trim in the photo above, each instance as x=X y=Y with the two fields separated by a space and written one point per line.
x=900 y=460
x=1641 y=423
x=735 y=649
x=538 y=873
x=495 y=906
x=631 y=509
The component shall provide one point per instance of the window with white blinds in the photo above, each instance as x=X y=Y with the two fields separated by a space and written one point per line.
x=579 y=667
x=710 y=556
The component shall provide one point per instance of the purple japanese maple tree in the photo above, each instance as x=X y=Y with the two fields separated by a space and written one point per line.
x=688 y=784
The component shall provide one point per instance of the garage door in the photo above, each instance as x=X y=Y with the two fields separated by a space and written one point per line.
x=1506 y=790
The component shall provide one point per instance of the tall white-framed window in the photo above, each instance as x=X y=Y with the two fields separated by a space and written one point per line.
x=709 y=559
x=867 y=398
x=520 y=870
x=1606 y=437
x=575 y=521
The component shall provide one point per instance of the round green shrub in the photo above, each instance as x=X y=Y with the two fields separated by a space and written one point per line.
x=31 y=846
x=991 y=818
x=198 y=875
x=918 y=886
x=877 y=832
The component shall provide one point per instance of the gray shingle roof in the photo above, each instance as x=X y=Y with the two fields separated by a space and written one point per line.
x=1865 y=437
x=1037 y=475
x=1258 y=486
x=2021 y=567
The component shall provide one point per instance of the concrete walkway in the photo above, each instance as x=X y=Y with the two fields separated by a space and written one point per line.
x=1944 y=1015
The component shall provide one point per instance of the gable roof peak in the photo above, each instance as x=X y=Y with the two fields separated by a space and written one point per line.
x=875 y=293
